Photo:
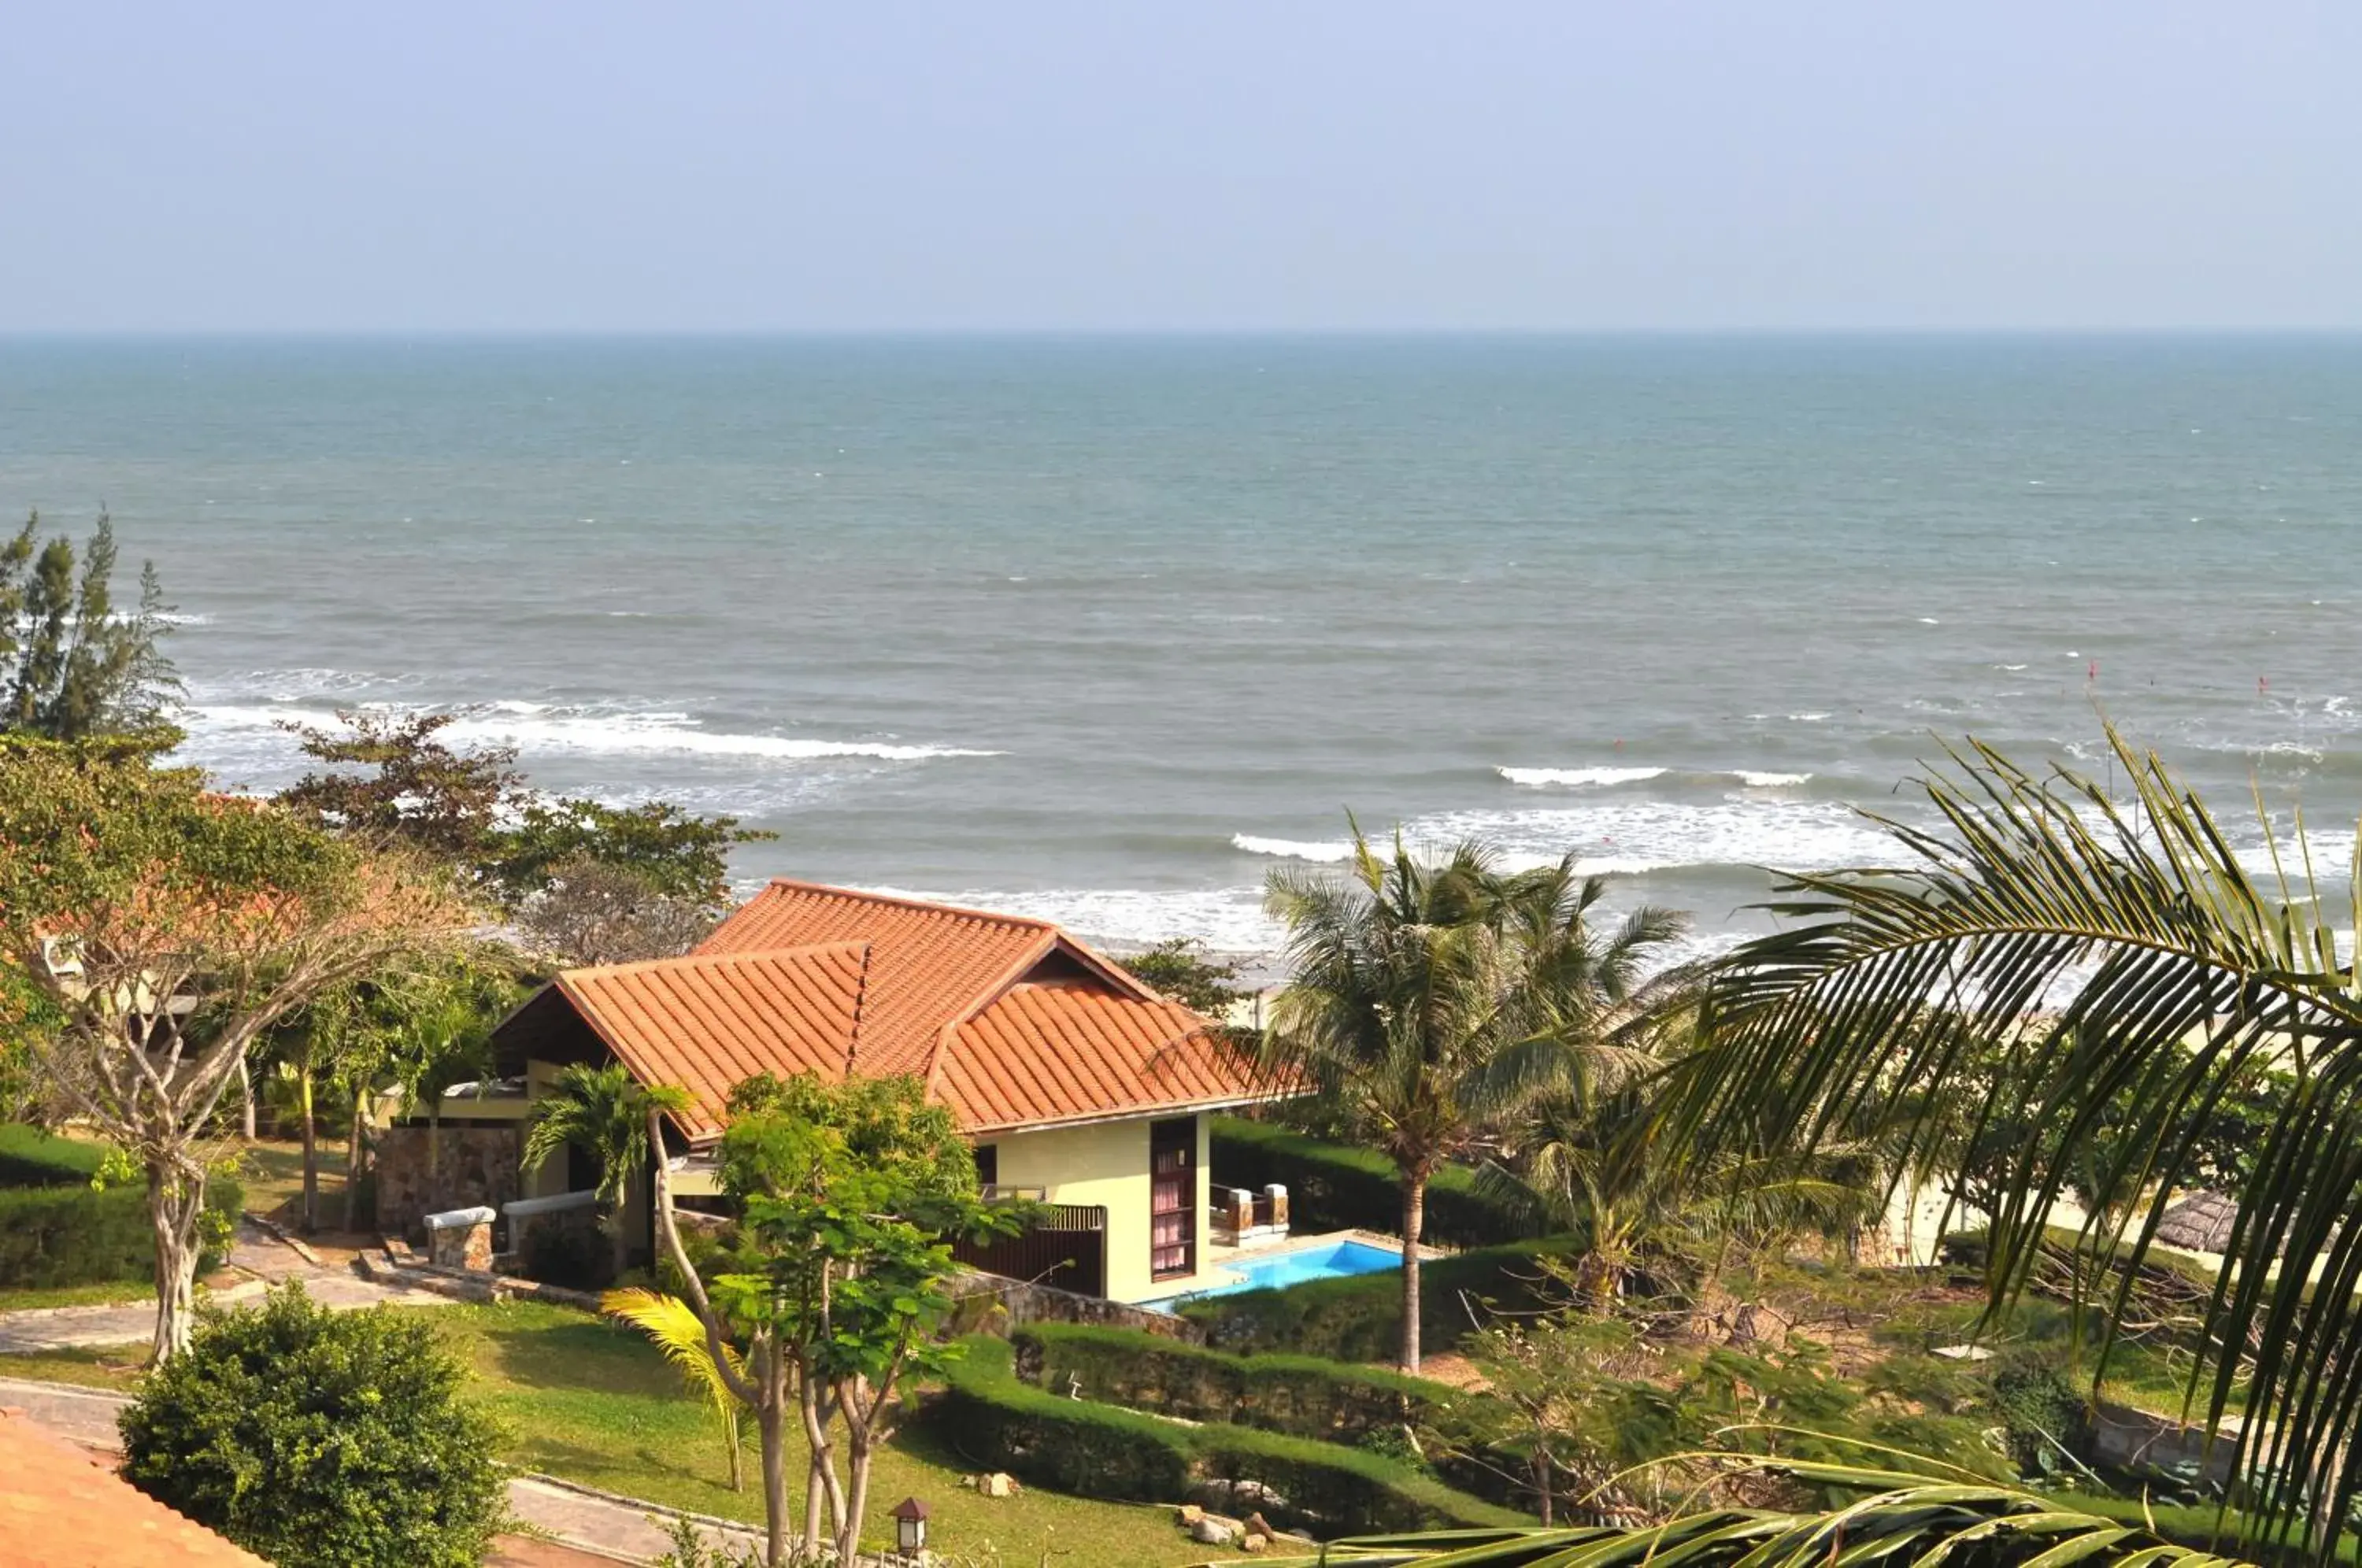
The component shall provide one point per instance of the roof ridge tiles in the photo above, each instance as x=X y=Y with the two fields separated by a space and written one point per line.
x=923 y=906
x=734 y=955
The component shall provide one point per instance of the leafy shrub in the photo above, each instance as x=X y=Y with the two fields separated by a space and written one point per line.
x=321 y=1438
x=1092 y=1450
x=1359 y=1317
x=2042 y=1411
x=62 y=1235
x=1334 y=1187
x=30 y=1157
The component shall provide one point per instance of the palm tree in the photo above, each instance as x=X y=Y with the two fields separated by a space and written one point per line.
x=676 y=1330
x=1428 y=1000
x=603 y=1111
x=2137 y=973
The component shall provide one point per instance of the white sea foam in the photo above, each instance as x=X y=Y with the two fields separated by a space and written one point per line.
x=1755 y=780
x=1327 y=852
x=1634 y=838
x=1539 y=777
x=536 y=727
x=1228 y=920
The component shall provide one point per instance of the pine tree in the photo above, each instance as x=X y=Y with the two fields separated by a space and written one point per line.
x=72 y=667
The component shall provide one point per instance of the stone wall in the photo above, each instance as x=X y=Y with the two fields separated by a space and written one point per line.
x=995 y=1304
x=475 y=1166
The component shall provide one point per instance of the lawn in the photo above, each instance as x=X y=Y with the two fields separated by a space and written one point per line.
x=593 y=1402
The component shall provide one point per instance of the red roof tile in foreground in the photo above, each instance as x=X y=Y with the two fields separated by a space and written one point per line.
x=63 y=1506
x=706 y=1022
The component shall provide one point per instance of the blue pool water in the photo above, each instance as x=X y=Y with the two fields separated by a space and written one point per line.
x=1332 y=1261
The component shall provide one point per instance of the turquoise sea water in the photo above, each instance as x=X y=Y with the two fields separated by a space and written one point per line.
x=1105 y=629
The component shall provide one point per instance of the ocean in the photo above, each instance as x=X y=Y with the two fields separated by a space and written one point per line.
x=1105 y=629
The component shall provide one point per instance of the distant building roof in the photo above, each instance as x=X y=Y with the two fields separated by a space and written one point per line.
x=63 y=1506
x=2200 y=1223
x=1010 y=1022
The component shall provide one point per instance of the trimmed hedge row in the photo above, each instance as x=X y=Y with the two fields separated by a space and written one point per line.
x=1301 y=1396
x=1332 y=1186
x=30 y=1157
x=1359 y=1317
x=1091 y=1450
x=62 y=1231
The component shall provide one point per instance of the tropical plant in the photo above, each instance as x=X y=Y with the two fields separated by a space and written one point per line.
x=1429 y=999
x=603 y=1111
x=321 y=1439
x=2139 y=973
x=72 y=666
x=675 y=1327
x=850 y=1194
x=1897 y=1516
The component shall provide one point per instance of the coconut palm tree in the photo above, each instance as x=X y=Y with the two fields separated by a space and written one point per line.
x=2138 y=972
x=1427 y=999
x=603 y=1111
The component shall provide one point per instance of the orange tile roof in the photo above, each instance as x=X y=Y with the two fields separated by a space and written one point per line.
x=64 y=1507
x=1011 y=1022
x=928 y=962
x=1065 y=1052
x=706 y=1022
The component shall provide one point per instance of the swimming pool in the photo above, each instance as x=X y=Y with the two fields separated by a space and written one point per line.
x=1328 y=1259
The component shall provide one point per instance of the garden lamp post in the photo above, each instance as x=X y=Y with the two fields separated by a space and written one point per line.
x=910 y=1527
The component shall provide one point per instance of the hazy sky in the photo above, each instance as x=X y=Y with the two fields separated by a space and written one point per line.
x=598 y=165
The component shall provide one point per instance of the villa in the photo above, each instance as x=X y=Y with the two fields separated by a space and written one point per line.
x=1076 y=1084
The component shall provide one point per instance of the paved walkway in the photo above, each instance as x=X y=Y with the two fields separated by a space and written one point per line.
x=589 y=1526
x=257 y=1260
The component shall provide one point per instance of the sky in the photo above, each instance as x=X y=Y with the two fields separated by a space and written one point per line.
x=613 y=166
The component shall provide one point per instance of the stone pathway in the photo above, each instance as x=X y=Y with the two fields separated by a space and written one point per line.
x=258 y=1262
x=581 y=1526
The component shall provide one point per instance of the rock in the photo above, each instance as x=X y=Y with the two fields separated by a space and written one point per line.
x=1254 y=1542
x=999 y=1484
x=1258 y=1524
x=1187 y=1514
x=1211 y=1529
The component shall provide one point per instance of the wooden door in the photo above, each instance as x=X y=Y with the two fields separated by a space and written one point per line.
x=1173 y=1197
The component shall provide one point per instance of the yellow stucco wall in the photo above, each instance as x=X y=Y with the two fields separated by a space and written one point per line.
x=1104 y=1165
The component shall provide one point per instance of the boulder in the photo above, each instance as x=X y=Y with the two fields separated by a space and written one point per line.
x=998 y=1483
x=1258 y=1524
x=1254 y=1542
x=1212 y=1529
x=1187 y=1514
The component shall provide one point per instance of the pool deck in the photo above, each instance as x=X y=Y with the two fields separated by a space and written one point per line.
x=1217 y=1257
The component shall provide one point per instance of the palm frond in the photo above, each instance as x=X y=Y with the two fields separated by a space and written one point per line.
x=2133 y=969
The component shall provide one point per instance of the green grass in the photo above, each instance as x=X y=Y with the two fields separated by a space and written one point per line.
x=106 y=1293
x=593 y=1402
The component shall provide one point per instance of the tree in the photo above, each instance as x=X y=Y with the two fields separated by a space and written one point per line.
x=674 y=853
x=598 y=913
x=170 y=929
x=674 y=1327
x=1428 y=1001
x=1182 y=968
x=415 y=789
x=72 y=667
x=2141 y=973
x=850 y=1194
x=321 y=1438
x=399 y=1028
x=602 y=1112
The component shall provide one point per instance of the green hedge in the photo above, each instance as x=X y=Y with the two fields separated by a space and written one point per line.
x=1092 y=1450
x=30 y=1157
x=1332 y=1186
x=1359 y=1317
x=1301 y=1396
x=60 y=1236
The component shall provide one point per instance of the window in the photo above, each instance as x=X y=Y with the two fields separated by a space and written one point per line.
x=987 y=1164
x=1173 y=1197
